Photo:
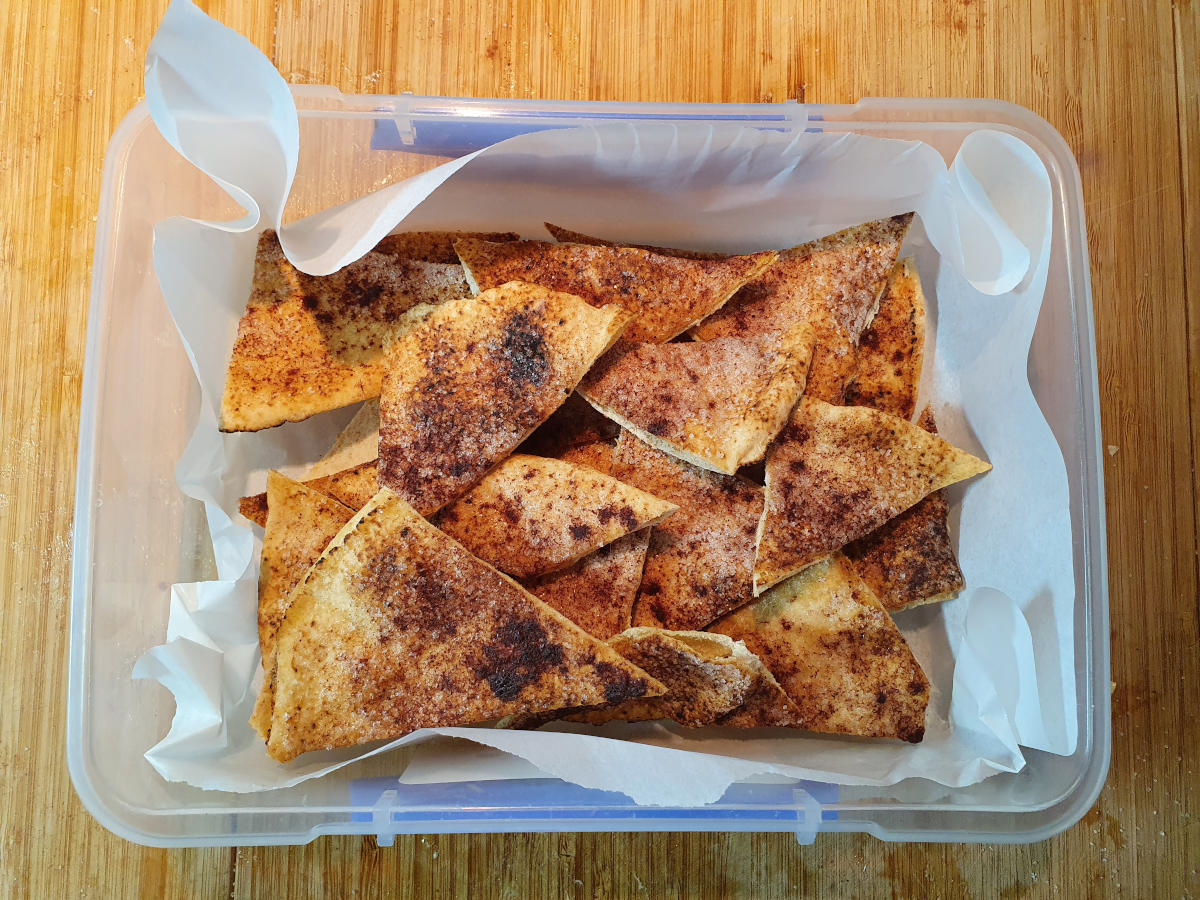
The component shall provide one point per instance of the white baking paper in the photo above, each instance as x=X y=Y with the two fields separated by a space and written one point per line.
x=999 y=657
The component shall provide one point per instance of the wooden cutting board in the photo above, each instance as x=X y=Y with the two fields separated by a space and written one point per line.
x=1120 y=80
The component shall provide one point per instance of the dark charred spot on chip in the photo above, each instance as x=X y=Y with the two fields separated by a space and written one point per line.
x=659 y=427
x=798 y=433
x=651 y=588
x=381 y=574
x=362 y=294
x=524 y=347
x=619 y=683
x=421 y=600
x=581 y=531
x=519 y=654
x=508 y=509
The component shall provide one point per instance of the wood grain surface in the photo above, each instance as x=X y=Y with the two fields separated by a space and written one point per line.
x=1120 y=80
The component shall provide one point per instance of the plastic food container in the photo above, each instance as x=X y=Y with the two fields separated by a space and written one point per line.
x=136 y=534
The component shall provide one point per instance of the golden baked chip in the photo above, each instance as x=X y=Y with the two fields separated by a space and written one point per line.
x=710 y=680
x=909 y=560
x=700 y=560
x=892 y=349
x=308 y=344
x=668 y=294
x=396 y=627
x=300 y=523
x=833 y=284
x=464 y=389
x=597 y=592
x=836 y=473
x=353 y=487
x=716 y=404
x=436 y=246
x=566 y=236
x=356 y=444
x=836 y=653
x=264 y=705
x=531 y=515
x=597 y=455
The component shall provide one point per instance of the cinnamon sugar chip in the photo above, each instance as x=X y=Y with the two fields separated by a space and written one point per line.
x=667 y=294
x=532 y=515
x=716 y=404
x=308 y=344
x=839 y=472
x=479 y=375
x=700 y=560
x=837 y=654
x=397 y=627
x=833 y=284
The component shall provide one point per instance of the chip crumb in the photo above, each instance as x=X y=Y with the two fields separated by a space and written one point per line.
x=1112 y=449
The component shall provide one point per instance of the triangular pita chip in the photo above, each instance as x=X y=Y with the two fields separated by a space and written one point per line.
x=710 y=680
x=837 y=473
x=436 y=246
x=597 y=592
x=666 y=293
x=597 y=455
x=566 y=236
x=716 y=404
x=356 y=444
x=264 y=705
x=309 y=344
x=353 y=487
x=836 y=653
x=300 y=523
x=891 y=351
x=464 y=389
x=910 y=560
x=531 y=515
x=397 y=627
x=700 y=560
x=833 y=284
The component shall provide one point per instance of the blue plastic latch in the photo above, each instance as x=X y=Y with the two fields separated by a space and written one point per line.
x=381 y=818
x=806 y=830
x=395 y=130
